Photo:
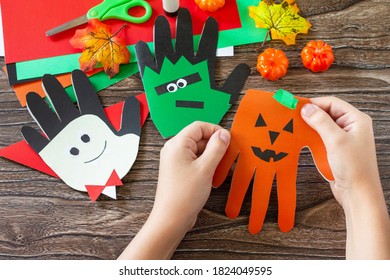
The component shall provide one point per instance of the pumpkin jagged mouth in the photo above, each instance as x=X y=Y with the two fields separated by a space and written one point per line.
x=267 y=155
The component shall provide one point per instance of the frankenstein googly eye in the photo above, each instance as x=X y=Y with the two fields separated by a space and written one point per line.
x=172 y=87
x=85 y=138
x=74 y=151
x=181 y=83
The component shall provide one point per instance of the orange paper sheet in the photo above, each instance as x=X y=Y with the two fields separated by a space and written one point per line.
x=21 y=90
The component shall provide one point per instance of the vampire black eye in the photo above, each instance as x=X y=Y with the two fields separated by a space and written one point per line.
x=260 y=121
x=181 y=83
x=85 y=138
x=289 y=126
x=172 y=87
x=74 y=151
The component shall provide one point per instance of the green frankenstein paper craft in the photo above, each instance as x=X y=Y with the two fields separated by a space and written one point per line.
x=81 y=145
x=180 y=85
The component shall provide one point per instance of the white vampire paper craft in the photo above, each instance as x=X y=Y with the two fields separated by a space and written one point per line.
x=180 y=85
x=82 y=147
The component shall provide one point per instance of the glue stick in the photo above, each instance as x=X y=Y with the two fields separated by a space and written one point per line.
x=171 y=7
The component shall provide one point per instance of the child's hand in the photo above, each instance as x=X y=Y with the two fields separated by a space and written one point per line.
x=187 y=165
x=348 y=136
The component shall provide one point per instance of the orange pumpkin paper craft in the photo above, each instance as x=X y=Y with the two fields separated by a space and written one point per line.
x=267 y=136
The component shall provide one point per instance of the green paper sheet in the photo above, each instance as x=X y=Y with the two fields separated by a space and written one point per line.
x=101 y=81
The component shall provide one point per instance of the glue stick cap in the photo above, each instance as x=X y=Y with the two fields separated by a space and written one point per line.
x=171 y=7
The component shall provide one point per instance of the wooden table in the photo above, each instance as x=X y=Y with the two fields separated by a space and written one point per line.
x=42 y=218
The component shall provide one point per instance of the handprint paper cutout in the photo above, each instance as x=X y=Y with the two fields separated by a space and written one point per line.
x=180 y=85
x=267 y=136
x=81 y=146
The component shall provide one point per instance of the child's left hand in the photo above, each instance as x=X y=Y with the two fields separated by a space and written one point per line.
x=187 y=165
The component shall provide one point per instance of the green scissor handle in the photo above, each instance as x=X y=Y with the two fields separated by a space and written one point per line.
x=119 y=9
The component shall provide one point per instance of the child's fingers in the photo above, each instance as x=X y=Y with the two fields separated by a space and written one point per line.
x=192 y=139
x=215 y=149
x=334 y=106
x=198 y=131
x=320 y=121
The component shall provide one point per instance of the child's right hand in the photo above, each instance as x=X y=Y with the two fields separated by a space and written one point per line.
x=349 y=140
x=348 y=136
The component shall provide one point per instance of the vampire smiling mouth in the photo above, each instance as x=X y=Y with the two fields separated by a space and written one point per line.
x=104 y=148
x=266 y=155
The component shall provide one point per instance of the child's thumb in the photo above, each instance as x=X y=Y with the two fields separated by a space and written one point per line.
x=320 y=121
x=215 y=149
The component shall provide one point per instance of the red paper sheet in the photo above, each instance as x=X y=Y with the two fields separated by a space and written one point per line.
x=26 y=21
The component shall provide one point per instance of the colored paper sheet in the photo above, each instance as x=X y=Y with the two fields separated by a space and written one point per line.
x=246 y=34
x=34 y=69
x=21 y=90
x=101 y=81
x=89 y=149
x=1 y=36
x=97 y=77
x=267 y=136
x=26 y=21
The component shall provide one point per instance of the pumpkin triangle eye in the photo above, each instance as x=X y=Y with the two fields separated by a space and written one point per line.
x=260 y=121
x=290 y=126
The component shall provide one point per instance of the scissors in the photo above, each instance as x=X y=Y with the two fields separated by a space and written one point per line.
x=118 y=9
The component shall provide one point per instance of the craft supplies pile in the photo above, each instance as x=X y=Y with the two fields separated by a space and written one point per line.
x=70 y=50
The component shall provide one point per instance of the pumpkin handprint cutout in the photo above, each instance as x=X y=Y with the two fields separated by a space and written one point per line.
x=267 y=136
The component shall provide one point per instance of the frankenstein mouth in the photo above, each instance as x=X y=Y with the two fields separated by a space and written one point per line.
x=104 y=148
x=266 y=155
x=190 y=104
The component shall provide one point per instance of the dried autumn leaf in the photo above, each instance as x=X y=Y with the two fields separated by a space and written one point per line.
x=282 y=20
x=100 y=46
